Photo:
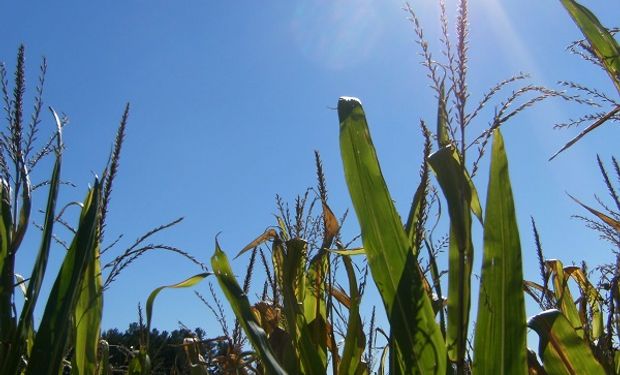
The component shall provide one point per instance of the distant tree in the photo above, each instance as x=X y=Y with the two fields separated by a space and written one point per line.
x=166 y=351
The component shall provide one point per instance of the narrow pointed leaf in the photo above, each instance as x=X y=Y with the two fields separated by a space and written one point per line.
x=561 y=349
x=587 y=130
x=7 y=271
x=332 y=227
x=189 y=282
x=348 y=252
x=603 y=44
x=414 y=215
x=314 y=305
x=443 y=134
x=313 y=359
x=25 y=324
x=87 y=319
x=457 y=190
x=269 y=234
x=563 y=296
x=418 y=343
x=51 y=338
x=355 y=340
x=593 y=298
x=501 y=305
x=241 y=307
x=606 y=219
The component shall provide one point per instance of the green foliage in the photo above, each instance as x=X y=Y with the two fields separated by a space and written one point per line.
x=241 y=307
x=75 y=302
x=417 y=345
x=68 y=335
x=605 y=52
x=296 y=325
x=501 y=305
x=561 y=348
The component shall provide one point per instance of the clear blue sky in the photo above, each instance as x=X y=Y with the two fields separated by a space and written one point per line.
x=229 y=100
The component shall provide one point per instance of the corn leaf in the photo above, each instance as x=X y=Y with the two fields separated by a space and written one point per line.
x=87 y=319
x=418 y=343
x=443 y=134
x=189 y=282
x=269 y=234
x=443 y=141
x=563 y=295
x=603 y=44
x=7 y=265
x=25 y=328
x=348 y=252
x=414 y=216
x=501 y=305
x=241 y=307
x=311 y=353
x=453 y=181
x=314 y=306
x=354 y=343
x=607 y=51
x=331 y=226
x=604 y=218
x=49 y=345
x=561 y=349
x=593 y=298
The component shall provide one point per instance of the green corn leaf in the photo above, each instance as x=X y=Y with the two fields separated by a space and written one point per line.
x=314 y=306
x=355 y=340
x=25 y=326
x=7 y=265
x=87 y=319
x=313 y=358
x=348 y=252
x=561 y=349
x=414 y=216
x=501 y=305
x=443 y=134
x=591 y=295
x=418 y=343
x=444 y=141
x=457 y=190
x=49 y=345
x=602 y=42
x=563 y=295
x=189 y=282
x=241 y=307
x=607 y=51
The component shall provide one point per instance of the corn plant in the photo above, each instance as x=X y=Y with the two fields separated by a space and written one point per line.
x=74 y=311
x=67 y=336
x=417 y=343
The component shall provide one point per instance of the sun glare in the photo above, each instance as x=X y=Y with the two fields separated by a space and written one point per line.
x=338 y=33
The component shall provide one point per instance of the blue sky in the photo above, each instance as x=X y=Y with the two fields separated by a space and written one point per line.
x=230 y=100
